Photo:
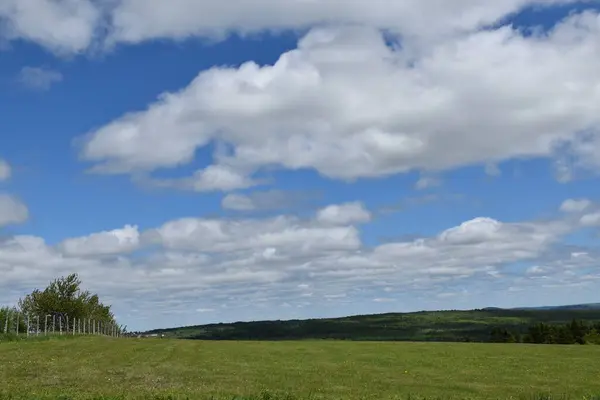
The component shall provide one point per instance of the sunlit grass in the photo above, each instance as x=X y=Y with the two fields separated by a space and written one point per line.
x=91 y=367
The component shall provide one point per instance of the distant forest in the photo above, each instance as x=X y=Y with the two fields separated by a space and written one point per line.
x=556 y=325
x=575 y=332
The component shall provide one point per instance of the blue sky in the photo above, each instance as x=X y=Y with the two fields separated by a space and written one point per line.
x=229 y=163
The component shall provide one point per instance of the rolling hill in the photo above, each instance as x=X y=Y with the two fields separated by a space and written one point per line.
x=450 y=326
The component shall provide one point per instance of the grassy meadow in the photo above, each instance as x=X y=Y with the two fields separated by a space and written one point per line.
x=101 y=367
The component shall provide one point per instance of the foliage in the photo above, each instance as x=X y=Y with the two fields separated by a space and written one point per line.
x=446 y=326
x=502 y=335
x=64 y=296
x=593 y=337
x=91 y=367
x=11 y=326
x=574 y=332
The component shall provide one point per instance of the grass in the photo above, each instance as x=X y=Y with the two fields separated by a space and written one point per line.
x=92 y=367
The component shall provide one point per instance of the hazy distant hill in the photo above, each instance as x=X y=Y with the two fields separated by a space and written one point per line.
x=473 y=325
x=589 y=306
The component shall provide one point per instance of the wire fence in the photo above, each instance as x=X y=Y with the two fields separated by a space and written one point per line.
x=55 y=323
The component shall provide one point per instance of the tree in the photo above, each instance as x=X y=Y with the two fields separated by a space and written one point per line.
x=64 y=296
x=11 y=324
x=563 y=335
x=502 y=335
x=592 y=337
x=578 y=331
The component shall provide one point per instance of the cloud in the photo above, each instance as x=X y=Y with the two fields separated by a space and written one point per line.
x=5 y=170
x=264 y=200
x=493 y=170
x=139 y=20
x=12 y=211
x=118 y=241
x=481 y=244
x=238 y=202
x=39 y=78
x=74 y=26
x=592 y=219
x=267 y=237
x=344 y=214
x=427 y=182
x=535 y=270
x=229 y=265
x=211 y=178
x=65 y=26
x=347 y=105
x=575 y=205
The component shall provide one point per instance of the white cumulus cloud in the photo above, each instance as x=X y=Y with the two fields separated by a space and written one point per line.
x=64 y=26
x=349 y=106
x=12 y=211
x=591 y=219
x=344 y=214
x=575 y=205
x=139 y=20
x=211 y=178
x=263 y=200
x=233 y=265
x=112 y=242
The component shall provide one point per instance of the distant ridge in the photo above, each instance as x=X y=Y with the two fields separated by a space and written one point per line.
x=441 y=326
x=587 y=306
x=573 y=307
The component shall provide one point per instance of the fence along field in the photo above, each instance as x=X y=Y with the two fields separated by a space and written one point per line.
x=62 y=308
x=18 y=324
x=95 y=366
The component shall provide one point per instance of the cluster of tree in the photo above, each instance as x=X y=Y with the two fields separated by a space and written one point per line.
x=62 y=298
x=7 y=318
x=575 y=332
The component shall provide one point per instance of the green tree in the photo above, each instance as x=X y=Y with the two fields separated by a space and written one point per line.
x=64 y=296
x=592 y=337
x=563 y=335
x=578 y=331
x=502 y=335
x=11 y=324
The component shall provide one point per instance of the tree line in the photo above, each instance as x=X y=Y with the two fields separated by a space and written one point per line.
x=574 y=332
x=62 y=302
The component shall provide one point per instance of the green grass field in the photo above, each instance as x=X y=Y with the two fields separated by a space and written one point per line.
x=91 y=367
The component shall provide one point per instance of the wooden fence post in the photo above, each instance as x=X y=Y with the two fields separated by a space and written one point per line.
x=6 y=321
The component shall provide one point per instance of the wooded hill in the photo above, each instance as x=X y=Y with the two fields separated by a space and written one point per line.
x=474 y=326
